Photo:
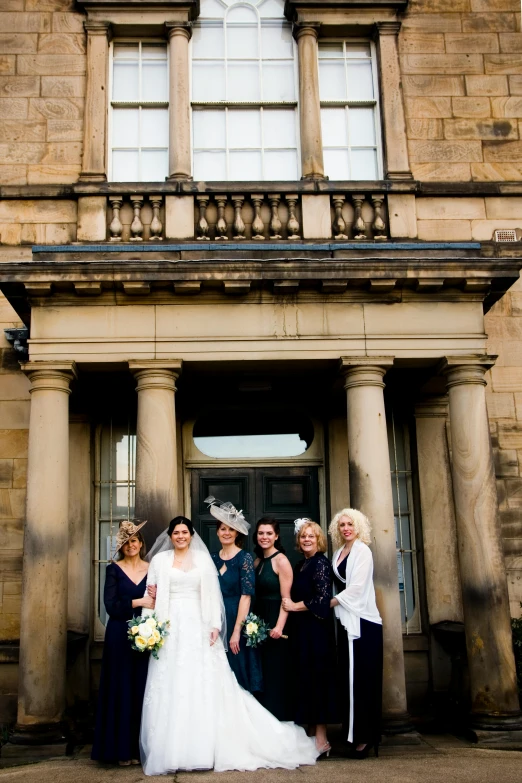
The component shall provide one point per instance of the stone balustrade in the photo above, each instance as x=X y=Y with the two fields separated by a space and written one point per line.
x=135 y=218
x=359 y=217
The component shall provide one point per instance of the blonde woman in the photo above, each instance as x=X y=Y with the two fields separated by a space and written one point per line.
x=359 y=631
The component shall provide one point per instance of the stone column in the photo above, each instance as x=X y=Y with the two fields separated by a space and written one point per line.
x=371 y=492
x=494 y=698
x=180 y=163
x=94 y=166
x=43 y=632
x=396 y=144
x=312 y=166
x=156 y=450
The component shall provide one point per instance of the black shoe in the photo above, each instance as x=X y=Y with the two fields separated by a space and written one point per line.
x=364 y=753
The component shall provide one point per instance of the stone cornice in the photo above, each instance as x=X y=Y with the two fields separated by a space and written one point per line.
x=293 y=7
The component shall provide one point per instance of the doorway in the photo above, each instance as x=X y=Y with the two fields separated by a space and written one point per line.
x=281 y=493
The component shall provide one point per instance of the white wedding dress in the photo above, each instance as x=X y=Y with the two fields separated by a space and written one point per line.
x=195 y=715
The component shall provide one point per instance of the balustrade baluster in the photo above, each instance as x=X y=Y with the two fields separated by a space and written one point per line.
x=202 y=227
x=379 y=226
x=239 y=226
x=339 y=224
x=359 y=228
x=115 y=227
x=258 y=226
x=136 y=225
x=221 y=225
x=292 y=227
x=156 y=226
x=275 y=222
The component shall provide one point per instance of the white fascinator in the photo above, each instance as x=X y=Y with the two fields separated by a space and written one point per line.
x=300 y=523
x=228 y=514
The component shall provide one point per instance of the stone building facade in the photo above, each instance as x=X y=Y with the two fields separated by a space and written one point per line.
x=271 y=250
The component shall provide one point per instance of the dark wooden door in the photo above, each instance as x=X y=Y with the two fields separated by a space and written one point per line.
x=281 y=493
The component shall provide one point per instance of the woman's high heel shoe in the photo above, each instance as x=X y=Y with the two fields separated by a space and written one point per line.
x=364 y=753
x=323 y=751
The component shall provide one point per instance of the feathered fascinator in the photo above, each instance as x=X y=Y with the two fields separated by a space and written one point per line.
x=126 y=530
x=300 y=523
x=228 y=514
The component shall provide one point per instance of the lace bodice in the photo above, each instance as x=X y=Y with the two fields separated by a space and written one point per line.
x=185 y=584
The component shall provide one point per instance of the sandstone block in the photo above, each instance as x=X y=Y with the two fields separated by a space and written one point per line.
x=516 y=305
x=11 y=537
x=25 y=23
x=51 y=64
x=13 y=175
x=316 y=219
x=434 y=23
x=10 y=233
x=503 y=63
x=492 y=172
x=67 y=23
x=480 y=129
x=12 y=5
x=448 y=151
x=6 y=473
x=495 y=5
x=502 y=151
x=433 y=85
x=56 y=108
x=33 y=234
x=482 y=230
x=506 y=460
x=510 y=434
x=515 y=85
x=506 y=107
x=14 y=414
x=65 y=130
x=484 y=23
x=60 y=43
x=44 y=211
x=440 y=6
x=434 y=208
x=439 y=172
x=48 y=174
x=60 y=233
x=494 y=326
x=92 y=218
x=504 y=207
x=19 y=86
x=476 y=43
x=13 y=443
x=14 y=108
x=402 y=215
x=414 y=42
x=501 y=308
x=13 y=588
x=427 y=108
x=18 y=43
x=22 y=153
x=472 y=108
x=22 y=130
x=447 y=231
x=49 y=5
x=69 y=152
x=486 y=85
x=179 y=217
x=19 y=473
x=510 y=42
x=63 y=86
x=512 y=352
x=7 y=63
x=424 y=129
x=512 y=327
x=444 y=63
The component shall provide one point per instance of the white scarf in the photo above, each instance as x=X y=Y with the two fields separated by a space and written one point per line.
x=356 y=601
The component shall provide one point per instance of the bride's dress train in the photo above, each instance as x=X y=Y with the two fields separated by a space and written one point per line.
x=195 y=715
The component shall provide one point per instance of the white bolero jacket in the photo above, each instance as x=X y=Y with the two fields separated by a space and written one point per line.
x=357 y=600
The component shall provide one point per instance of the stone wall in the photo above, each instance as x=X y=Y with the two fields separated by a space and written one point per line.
x=42 y=87
x=461 y=63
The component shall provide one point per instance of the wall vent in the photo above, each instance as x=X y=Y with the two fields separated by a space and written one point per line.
x=505 y=235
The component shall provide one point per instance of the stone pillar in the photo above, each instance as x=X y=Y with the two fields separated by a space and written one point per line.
x=96 y=98
x=180 y=163
x=371 y=492
x=494 y=698
x=43 y=633
x=396 y=144
x=157 y=497
x=312 y=165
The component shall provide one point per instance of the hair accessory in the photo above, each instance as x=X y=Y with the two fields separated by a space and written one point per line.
x=228 y=514
x=126 y=530
x=299 y=523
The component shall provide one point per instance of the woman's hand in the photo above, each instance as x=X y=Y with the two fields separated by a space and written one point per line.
x=288 y=605
x=146 y=602
x=276 y=633
x=234 y=641
x=334 y=602
x=152 y=590
x=213 y=636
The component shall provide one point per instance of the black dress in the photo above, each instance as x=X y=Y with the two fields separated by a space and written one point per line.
x=275 y=653
x=123 y=674
x=313 y=644
x=367 y=676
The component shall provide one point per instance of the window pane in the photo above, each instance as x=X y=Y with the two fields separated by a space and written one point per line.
x=125 y=82
x=332 y=80
x=211 y=9
x=208 y=41
x=153 y=51
x=357 y=50
x=360 y=81
x=364 y=164
x=331 y=50
x=208 y=81
x=333 y=125
x=209 y=166
x=201 y=122
x=242 y=42
x=245 y=166
x=125 y=124
x=155 y=127
x=244 y=129
x=154 y=83
x=126 y=51
x=271 y=8
x=336 y=164
x=243 y=82
x=278 y=81
x=154 y=165
x=125 y=166
x=362 y=127
x=279 y=128
x=276 y=41
x=280 y=165
x=242 y=14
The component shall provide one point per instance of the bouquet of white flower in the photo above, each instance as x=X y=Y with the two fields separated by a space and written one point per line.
x=147 y=635
x=255 y=630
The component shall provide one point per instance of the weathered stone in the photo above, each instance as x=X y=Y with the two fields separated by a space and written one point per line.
x=506 y=460
x=484 y=23
x=486 y=85
x=480 y=129
x=51 y=64
x=402 y=214
x=33 y=233
x=424 y=129
x=13 y=443
x=439 y=172
x=434 y=208
x=502 y=151
x=447 y=231
x=18 y=43
x=510 y=42
x=472 y=43
x=433 y=85
x=7 y=63
x=60 y=233
x=421 y=42
x=22 y=153
x=65 y=130
x=19 y=86
x=507 y=379
x=179 y=217
x=14 y=414
x=503 y=63
x=511 y=328
x=316 y=218
x=92 y=218
x=25 y=23
x=443 y=64
x=44 y=211
x=510 y=434
x=6 y=473
x=13 y=175
x=504 y=207
x=495 y=5
x=63 y=86
x=59 y=43
x=50 y=174
x=506 y=107
x=67 y=23
x=434 y=23
x=427 y=108
x=471 y=107
x=62 y=152
x=19 y=473
x=439 y=6
x=22 y=130
x=448 y=151
x=482 y=230
x=10 y=233
x=494 y=172
x=56 y=108
x=14 y=108
x=12 y=5
x=49 y=5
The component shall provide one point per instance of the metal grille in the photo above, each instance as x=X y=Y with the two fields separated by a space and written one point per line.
x=505 y=235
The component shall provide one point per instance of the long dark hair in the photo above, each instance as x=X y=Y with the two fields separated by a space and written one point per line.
x=274 y=524
x=180 y=521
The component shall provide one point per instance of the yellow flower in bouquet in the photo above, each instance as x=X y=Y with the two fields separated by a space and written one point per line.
x=252 y=628
x=147 y=634
x=134 y=630
x=140 y=642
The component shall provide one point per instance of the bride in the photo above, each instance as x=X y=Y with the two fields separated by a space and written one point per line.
x=195 y=715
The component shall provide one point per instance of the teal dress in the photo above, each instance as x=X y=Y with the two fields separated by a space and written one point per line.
x=238 y=580
x=275 y=653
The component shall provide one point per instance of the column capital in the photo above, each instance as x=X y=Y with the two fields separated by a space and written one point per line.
x=365 y=370
x=432 y=407
x=387 y=28
x=156 y=373
x=98 y=28
x=300 y=29
x=179 y=28
x=53 y=376
x=466 y=369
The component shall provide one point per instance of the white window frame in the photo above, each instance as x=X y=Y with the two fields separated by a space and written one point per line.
x=261 y=104
x=140 y=104
x=348 y=104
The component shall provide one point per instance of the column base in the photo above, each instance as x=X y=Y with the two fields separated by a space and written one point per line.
x=314 y=178
x=485 y=724
x=499 y=740
x=180 y=178
x=88 y=176
x=397 y=724
x=42 y=734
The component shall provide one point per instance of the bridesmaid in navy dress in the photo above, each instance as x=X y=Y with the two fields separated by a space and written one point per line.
x=237 y=580
x=124 y=670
